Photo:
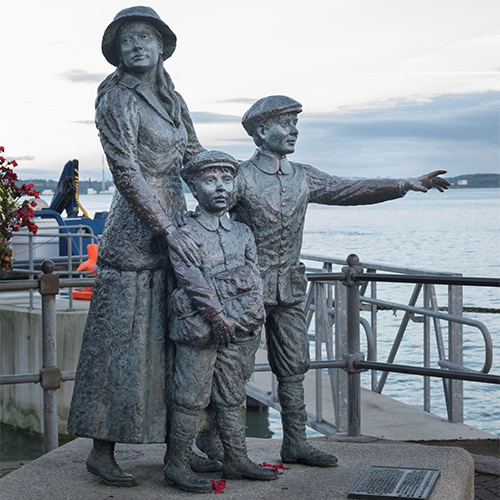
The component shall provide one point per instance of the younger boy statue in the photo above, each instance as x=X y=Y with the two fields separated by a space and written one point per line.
x=218 y=313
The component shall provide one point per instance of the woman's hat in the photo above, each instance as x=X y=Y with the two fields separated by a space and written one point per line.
x=144 y=14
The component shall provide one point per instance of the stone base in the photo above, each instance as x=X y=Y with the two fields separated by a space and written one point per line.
x=61 y=474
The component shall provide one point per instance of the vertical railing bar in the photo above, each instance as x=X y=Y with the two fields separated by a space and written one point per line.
x=319 y=326
x=399 y=337
x=427 y=351
x=353 y=348
x=373 y=322
x=48 y=288
x=70 y=269
x=440 y=347
x=31 y=268
x=308 y=306
x=328 y=340
x=455 y=351
x=81 y=231
x=340 y=395
x=329 y=321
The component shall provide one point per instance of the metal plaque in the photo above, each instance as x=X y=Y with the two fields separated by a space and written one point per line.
x=395 y=482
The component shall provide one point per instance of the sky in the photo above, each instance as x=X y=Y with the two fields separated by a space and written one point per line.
x=389 y=88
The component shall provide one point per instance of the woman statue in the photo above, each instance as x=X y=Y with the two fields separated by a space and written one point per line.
x=147 y=135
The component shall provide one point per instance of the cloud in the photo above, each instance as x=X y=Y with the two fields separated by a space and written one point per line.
x=209 y=117
x=23 y=158
x=471 y=117
x=85 y=122
x=239 y=100
x=80 y=76
x=459 y=133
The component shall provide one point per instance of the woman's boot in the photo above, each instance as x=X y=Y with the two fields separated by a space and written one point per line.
x=101 y=462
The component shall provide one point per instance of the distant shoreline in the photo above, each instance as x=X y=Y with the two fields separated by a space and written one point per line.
x=459 y=182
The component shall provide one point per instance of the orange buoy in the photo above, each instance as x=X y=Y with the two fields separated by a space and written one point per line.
x=90 y=266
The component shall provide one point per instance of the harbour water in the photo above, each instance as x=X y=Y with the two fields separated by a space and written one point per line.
x=457 y=231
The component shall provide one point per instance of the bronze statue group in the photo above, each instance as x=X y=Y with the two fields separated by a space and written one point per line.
x=181 y=299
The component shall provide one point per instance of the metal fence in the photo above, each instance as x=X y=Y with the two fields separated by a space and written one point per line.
x=345 y=316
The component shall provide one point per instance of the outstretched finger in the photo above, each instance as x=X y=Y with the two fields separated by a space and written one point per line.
x=435 y=173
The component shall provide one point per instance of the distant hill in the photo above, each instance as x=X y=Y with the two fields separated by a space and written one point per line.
x=460 y=182
x=83 y=184
x=475 y=181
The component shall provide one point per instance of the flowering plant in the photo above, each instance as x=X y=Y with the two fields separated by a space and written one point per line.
x=14 y=214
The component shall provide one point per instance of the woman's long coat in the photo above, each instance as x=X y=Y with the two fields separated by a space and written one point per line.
x=121 y=383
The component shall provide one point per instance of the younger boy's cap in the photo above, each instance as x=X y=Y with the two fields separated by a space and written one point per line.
x=266 y=108
x=208 y=159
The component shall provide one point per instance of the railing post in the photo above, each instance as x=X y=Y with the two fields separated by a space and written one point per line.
x=340 y=396
x=50 y=376
x=353 y=347
x=455 y=353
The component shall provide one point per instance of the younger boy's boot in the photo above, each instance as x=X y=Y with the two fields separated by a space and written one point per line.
x=207 y=439
x=236 y=462
x=178 y=470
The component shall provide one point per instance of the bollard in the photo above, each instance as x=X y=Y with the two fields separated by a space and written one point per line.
x=50 y=376
x=353 y=347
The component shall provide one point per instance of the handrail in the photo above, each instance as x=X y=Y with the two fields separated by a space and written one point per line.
x=431 y=279
x=371 y=265
x=351 y=277
x=447 y=317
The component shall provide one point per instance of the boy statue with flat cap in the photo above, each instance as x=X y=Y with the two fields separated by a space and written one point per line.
x=218 y=312
x=271 y=196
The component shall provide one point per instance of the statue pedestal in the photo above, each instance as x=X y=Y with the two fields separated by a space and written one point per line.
x=63 y=470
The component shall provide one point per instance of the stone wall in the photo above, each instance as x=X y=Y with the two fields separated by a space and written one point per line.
x=21 y=352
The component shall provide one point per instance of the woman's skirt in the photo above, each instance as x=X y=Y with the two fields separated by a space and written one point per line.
x=121 y=385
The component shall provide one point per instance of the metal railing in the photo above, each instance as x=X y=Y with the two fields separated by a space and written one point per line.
x=50 y=377
x=347 y=354
x=74 y=238
x=326 y=303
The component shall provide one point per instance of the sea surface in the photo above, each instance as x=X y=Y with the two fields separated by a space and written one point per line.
x=457 y=231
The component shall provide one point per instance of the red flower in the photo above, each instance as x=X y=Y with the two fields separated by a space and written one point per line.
x=15 y=213
x=275 y=467
x=218 y=486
